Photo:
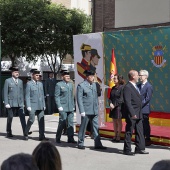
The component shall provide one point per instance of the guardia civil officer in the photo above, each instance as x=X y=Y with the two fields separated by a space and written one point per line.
x=14 y=100
x=35 y=104
x=49 y=92
x=64 y=98
x=87 y=100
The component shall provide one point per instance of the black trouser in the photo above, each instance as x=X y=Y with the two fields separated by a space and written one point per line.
x=132 y=124
x=11 y=111
x=146 y=127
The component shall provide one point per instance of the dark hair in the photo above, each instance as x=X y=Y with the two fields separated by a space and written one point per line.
x=161 y=165
x=84 y=52
x=19 y=162
x=47 y=156
x=121 y=81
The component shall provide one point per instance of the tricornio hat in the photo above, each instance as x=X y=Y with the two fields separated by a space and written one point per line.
x=32 y=70
x=89 y=72
x=64 y=72
x=94 y=52
x=14 y=69
x=36 y=72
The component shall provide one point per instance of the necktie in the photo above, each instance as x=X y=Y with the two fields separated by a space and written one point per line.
x=142 y=86
x=16 y=82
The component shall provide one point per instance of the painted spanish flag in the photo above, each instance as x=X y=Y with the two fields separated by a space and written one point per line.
x=113 y=71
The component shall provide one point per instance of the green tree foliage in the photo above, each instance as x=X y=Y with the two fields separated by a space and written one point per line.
x=20 y=20
x=37 y=28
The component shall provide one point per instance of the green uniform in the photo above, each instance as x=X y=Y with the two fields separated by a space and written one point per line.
x=64 y=99
x=13 y=95
x=35 y=100
x=87 y=101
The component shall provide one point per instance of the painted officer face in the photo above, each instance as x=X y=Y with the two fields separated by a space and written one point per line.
x=88 y=55
x=35 y=77
x=95 y=60
x=15 y=74
x=66 y=78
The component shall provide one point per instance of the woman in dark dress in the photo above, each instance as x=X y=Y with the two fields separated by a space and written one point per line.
x=115 y=102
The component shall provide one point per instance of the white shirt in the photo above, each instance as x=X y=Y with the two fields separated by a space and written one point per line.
x=15 y=80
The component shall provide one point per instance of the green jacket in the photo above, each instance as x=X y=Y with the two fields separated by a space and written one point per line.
x=87 y=98
x=13 y=93
x=64 y=96
x=34 y=96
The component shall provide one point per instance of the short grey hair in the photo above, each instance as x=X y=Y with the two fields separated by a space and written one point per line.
x=145 y=72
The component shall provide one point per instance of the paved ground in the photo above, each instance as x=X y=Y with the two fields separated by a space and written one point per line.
x=75 y=159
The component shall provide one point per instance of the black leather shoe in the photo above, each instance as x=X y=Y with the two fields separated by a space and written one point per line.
x=58 y=141
x=29 y=133
x=25 y=137
x=9 y=135
x=100 y=147
x=81 y=147
x=72 y=141
x=129 y=153
x=43 y=139
x=141 y=152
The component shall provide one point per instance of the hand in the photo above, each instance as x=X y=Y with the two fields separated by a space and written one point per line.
x=7 y=106
x=83 y=114
x=134 y=117
x=112 y=106
x=47 y=95
x=60 y=109
x=44 y=108
x=29 y=109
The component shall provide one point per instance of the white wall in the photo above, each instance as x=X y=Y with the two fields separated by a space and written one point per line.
x=141 y=12
x=84 y=5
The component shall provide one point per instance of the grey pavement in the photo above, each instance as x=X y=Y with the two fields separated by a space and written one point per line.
x=73 y=158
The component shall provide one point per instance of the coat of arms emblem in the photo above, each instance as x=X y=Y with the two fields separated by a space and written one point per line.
x=158 y=53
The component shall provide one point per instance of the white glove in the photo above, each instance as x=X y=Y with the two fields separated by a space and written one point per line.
x=60 y=109
x=83 y=114
x=29 y=109
x=7 y=106
x=47 y=95
x=44 y=108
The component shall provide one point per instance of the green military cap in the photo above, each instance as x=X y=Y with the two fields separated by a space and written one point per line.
x=94 y=52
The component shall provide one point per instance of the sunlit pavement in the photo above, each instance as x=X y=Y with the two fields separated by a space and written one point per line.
x=73 y=158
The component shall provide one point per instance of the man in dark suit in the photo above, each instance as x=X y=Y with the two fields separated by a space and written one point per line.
x=146 y=91
x=14 y=100
x=35 y=104
x=49 y=92
x=87 y=100
x=64 y=98
x=133 y=115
